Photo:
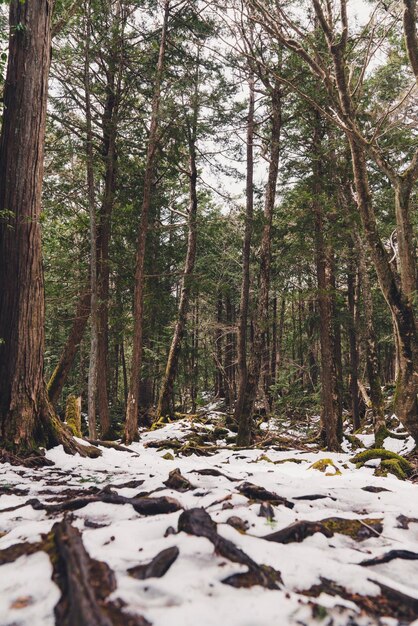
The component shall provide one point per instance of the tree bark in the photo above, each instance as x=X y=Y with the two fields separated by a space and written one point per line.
x=27 y=419
x=109 y=156
x=352 y=340
x=131 y=424
x=94 y=315
x=410 y=29
x=246 y=252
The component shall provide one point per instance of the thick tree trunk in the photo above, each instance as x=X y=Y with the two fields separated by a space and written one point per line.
x=60 y=374
x=247 y=396
x=131 y=424
x=27 y=419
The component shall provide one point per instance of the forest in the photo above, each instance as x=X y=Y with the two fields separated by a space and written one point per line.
x=208 y=312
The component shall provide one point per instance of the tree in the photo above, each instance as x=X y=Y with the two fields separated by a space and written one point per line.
x=131 y=425
x=27 y=419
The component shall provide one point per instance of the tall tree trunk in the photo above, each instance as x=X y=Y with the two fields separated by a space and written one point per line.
x=109 y=155
x=27 y=419
x=167 y=386
x=131 y=424
x=329 y=386
x=60 y=374
x=94 y=317
x=352 y=340
x=247 y=396
x=246 y=253
x=372 y=361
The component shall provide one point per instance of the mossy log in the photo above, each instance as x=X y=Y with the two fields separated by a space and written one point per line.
x=390 y=462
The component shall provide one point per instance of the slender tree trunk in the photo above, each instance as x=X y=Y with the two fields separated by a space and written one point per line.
x=167 y=386
x=27 y=419
x=372 y=361
x=109 y=155
x=246 y=252
x=352 y=340
x=65 y=363
x=245 y=403
x=131 y=424
x=94 y=318
x=329 y=387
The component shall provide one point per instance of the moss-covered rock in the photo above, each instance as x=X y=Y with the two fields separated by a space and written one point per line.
x=322 y=466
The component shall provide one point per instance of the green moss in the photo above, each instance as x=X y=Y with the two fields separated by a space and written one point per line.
x=385 y=455
x=354 y=528
x=355 y=442
x=263 y=457
x=73 y=415
x=380 y=436
x=391 y=466
x=322 y=466
x=168 y=456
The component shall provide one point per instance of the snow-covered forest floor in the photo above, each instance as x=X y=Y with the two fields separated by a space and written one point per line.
x=216 y=525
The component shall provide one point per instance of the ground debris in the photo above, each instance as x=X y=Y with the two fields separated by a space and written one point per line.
x=85 y=584
x=298 y=531
x=254 y=492
x=178 y=482
x=199 y=523
x=390 y=556
x=156 y=568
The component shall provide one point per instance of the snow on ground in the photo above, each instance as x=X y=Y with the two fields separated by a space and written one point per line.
x=191 y=592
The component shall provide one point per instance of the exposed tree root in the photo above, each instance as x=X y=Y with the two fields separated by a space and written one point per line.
x=199 y=523
x=85 y=584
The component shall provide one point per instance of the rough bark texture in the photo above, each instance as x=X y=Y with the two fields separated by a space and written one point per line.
x=131 y=425
x=410 y=28
x=26 y=416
